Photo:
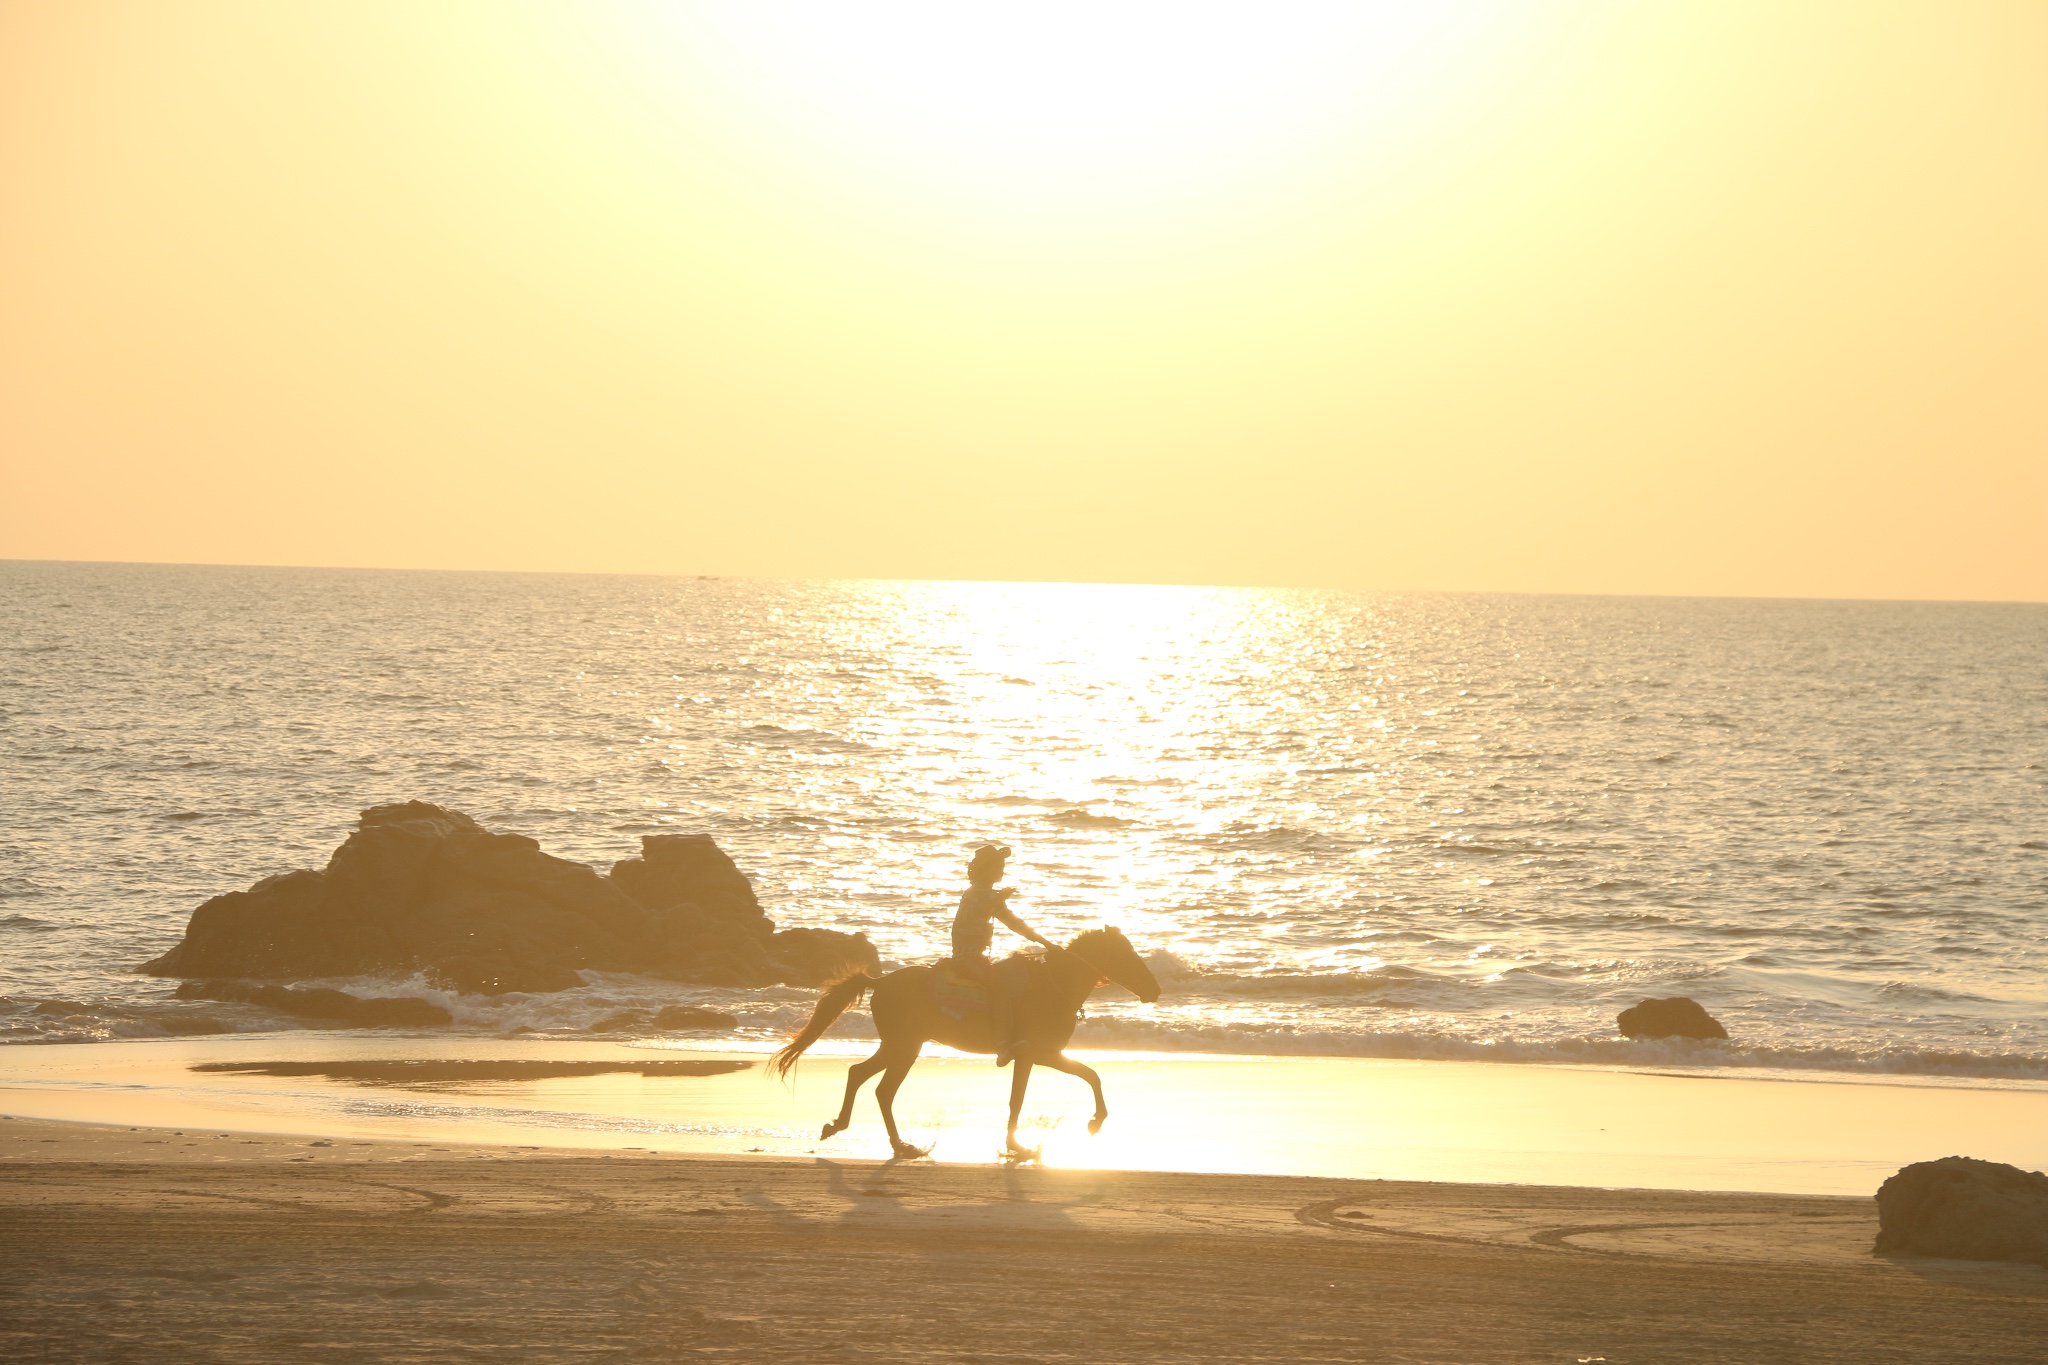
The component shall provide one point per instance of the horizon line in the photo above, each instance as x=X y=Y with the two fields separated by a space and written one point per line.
x=687 y=576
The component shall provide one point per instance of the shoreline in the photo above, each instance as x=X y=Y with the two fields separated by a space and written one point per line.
x=130 y=1246
x=1901 y=1066
x=1438 y=1121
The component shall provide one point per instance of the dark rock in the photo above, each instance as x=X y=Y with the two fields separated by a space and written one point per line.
x=314 y=1003
x=689 y=869
x=1677 y=1017
x=420 y=888
x=63 y=1009
x=689 y=1017
x=501 y=974
x=713 y=926
x=702 y=945
x=811 y=957
x=625 y=1021
x=280 y=927
x=1963 y=1209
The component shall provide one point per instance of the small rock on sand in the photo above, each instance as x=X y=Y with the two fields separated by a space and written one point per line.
x=1962 y=1209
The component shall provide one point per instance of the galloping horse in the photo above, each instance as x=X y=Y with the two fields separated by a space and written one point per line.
x=906 y=1019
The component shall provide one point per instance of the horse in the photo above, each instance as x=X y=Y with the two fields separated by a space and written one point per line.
x=906 y=1019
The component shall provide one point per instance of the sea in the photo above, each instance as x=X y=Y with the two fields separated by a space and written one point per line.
x=1409 y=826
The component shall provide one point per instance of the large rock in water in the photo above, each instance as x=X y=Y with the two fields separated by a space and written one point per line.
x=732 y=942
x=1963 y=1209
x=1678 y=1017
x=417 y=887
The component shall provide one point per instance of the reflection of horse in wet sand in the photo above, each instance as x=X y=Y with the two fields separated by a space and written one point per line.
x=907 y=1016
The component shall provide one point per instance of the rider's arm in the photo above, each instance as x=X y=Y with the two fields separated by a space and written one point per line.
x=1018 y=926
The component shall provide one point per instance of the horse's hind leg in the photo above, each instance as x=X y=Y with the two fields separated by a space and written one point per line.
x=1062 y=1062
x=856 y=1077
x=899 y=1061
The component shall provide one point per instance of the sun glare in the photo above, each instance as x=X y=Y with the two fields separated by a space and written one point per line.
x=1059 y=108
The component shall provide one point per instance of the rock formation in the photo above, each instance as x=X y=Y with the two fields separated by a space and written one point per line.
x=1677 y=1017
x=1963 y=1209
x=420 y=888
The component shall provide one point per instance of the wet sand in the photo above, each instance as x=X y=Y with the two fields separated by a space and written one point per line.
x=1352 y=1118
x=167 y=1245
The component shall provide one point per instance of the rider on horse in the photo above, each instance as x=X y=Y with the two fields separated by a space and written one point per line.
x=972 y=933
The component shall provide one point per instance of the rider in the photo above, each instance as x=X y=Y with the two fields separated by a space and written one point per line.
x=972 y=933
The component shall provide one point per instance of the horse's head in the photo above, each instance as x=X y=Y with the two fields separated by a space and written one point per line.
x=1110 y=953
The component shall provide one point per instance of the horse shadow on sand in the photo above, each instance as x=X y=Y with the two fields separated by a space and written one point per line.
x=917 y=1196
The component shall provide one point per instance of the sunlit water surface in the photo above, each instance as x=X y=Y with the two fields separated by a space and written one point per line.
x=1463 y=827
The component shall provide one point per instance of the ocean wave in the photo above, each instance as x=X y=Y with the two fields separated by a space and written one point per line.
x=1278 y=838
x=820 y=741
x=1304 y=985
x=770 y=1016
x=1078 y=817
x=65 y=1021
x=1919 y=992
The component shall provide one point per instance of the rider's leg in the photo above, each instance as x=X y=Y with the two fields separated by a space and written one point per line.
x=856 y=1077
x=1001 y=1009
x=1008 y=1019
x=1002 y=1021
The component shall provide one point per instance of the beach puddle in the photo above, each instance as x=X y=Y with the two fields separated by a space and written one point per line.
x=435 y=1073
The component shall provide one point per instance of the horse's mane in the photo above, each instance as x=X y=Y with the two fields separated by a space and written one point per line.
x=1087 y=938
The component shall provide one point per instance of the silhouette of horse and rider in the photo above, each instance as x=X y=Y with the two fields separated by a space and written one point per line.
x=1023 y=1008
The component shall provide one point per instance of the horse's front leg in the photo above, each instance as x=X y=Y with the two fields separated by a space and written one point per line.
x=1020 y=1077
x=1062 y=1062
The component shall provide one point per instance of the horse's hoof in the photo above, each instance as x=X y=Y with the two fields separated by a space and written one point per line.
x=1017 y=1155
x=906 y=1152
x=830 y=1129
x=1095 y=1125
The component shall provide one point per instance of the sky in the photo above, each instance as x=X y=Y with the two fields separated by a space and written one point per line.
x=1735 y=297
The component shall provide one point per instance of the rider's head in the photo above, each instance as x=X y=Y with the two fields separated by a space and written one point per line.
x=985 y=868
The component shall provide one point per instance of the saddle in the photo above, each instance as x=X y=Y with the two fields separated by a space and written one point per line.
x=964 y=995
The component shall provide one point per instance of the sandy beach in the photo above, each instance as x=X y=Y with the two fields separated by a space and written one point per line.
x=164 y=1244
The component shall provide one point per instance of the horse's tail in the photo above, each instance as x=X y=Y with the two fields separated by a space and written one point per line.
x=839 y=995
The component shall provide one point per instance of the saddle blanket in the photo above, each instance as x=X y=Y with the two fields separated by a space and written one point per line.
x=961 y=996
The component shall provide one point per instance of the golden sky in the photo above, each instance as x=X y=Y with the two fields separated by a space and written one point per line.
x=1739 y=297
